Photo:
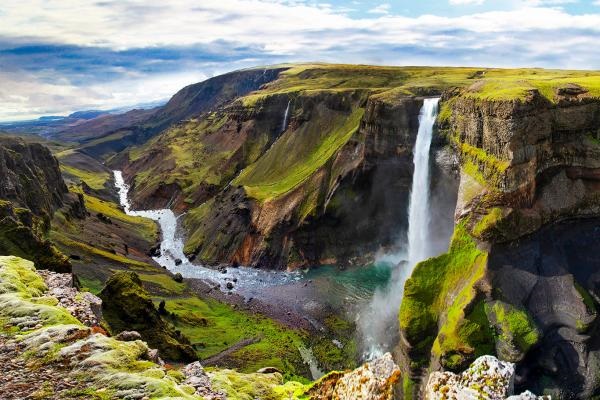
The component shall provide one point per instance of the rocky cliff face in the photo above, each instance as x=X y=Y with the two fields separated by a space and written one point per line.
x=30 y=177
x=31 y=189
x=519 y=273
x=330 y=186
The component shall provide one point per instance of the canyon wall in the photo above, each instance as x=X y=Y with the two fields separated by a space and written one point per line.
x=518 y=279
x=329 y=187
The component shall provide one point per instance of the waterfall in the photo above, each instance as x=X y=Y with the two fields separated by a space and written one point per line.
x=418 y=210
x=377 y=322
x=285 y=117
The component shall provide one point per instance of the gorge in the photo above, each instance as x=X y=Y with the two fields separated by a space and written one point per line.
x=438 y=214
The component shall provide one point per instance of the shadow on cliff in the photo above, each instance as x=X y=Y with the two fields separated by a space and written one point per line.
x=555 y=275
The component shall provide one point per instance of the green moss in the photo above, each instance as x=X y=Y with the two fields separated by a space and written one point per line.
x=440 y=291
x=408 y=388
x=488 y=221
x=514 y=325
x=586 y=297
x=254 y=386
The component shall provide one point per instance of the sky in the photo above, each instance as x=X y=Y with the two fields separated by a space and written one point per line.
x=60 y=56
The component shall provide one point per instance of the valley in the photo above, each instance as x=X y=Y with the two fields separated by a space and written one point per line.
x=309 y=218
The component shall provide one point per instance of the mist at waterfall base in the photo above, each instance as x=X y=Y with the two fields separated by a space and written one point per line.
x=377 y=324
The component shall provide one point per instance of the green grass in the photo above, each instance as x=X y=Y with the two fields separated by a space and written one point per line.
x=297 y=155
x=147 y=228
x=90 y=284
x=516 y=84
x=95 y=180
x=213 y=327
x=86 y=248
x=164 y=282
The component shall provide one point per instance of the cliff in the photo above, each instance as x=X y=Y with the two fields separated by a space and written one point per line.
x=518 y=279
x=313 y=168
x=31 y=190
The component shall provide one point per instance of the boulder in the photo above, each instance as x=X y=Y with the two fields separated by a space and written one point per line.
x=127 y=306
x=128 y=336
x=374 y=380
x=486 y=379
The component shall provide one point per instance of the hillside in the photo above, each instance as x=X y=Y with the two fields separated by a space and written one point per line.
x=315 y=166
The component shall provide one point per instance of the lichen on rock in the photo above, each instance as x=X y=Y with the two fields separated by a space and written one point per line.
x=486 y=379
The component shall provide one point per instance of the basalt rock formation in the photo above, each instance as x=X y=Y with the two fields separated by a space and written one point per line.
x=519 y=277
x=31 y=190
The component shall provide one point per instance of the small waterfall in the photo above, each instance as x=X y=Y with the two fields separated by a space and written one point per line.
x=285 y=117
x=418 y=210
x=377 y=321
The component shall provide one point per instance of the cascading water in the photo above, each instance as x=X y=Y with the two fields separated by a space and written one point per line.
x=285 y=117
x=418 y=210
x=377 y=321
x=250 y=280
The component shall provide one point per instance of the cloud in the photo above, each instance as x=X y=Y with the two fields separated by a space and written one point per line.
x=380 y=9
x=89 y=54
x=466 y=2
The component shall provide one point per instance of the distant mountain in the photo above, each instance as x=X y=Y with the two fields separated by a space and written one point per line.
x=50 y=126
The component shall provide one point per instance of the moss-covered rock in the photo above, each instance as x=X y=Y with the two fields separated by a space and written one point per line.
x=22 y=234
x=126 y=306
x=439 y=311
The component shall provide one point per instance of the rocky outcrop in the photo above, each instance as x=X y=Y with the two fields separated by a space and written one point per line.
x=30 y=177
x=374 y=380
x=486 y=379
x=31 y=190
x=519 y=273
x=126 y=306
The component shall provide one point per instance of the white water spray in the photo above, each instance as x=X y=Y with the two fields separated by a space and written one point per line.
x=377 y=322
x=286 y=116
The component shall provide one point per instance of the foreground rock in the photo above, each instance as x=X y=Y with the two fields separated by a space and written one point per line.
x=374 y=380
x=84 y=306
x=127 y=306
x=486 y=379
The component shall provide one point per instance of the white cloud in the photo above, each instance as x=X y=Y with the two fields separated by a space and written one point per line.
x=380 y=9
x=534 y=34
x=466 y=2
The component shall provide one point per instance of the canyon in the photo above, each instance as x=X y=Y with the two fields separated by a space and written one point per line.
x=262 y=179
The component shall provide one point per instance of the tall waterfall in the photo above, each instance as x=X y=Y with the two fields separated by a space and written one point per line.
x=418 y=210
x=286 y=117
x=377 y=322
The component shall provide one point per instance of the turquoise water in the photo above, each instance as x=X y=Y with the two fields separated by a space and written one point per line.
x=353 y=285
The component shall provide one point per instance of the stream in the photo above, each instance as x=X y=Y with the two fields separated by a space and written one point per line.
x=310 y=293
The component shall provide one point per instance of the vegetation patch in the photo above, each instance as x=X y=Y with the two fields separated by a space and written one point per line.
x=445 y=286
x=95 y=180
x=298 y=154
x=213 y=327
x=514 y=325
